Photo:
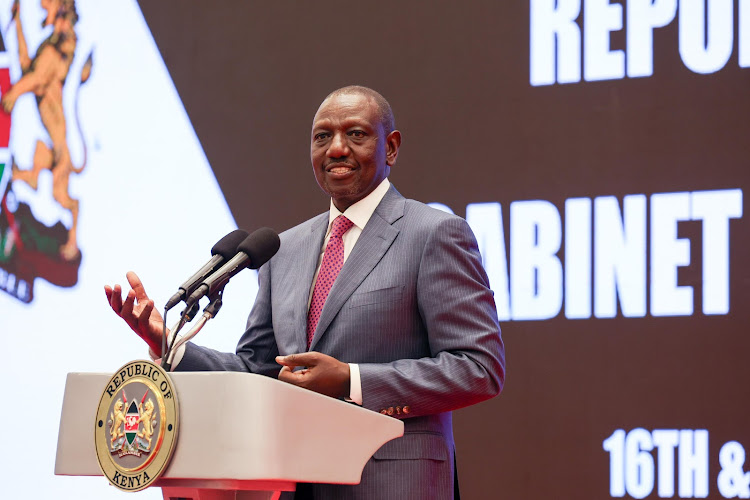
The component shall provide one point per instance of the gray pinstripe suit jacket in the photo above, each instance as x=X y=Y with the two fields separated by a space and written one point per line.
x=412 y=307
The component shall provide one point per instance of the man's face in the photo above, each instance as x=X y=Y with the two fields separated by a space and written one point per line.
x=350 y=152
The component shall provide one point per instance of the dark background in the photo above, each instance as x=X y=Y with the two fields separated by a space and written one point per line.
x=251 y=75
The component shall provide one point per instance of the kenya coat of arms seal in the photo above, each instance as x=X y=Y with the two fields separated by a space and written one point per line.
x=136 y=425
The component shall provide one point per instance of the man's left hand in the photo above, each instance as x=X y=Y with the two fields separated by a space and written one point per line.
x=320 y=373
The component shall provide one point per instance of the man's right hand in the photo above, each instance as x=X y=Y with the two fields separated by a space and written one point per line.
x=138 y=311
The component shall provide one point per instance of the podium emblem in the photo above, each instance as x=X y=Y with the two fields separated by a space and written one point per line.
x=136 y=425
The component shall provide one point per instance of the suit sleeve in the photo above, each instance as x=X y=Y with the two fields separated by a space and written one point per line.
x=256 y=350
x=467 y=363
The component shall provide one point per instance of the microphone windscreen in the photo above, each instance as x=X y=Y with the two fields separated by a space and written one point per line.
x=227 y=246
x=260 y=246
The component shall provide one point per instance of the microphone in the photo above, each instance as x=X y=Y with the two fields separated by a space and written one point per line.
x=253 y=252
x=223 y=250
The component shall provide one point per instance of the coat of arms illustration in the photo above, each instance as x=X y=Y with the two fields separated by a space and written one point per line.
x=136 y=425
x=29 y=248
x=131 y=426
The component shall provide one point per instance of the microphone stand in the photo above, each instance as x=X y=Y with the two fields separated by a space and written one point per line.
x=211 y=310
x=187 y=315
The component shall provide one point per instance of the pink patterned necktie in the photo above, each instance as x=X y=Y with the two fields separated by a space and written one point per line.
x=333 y=260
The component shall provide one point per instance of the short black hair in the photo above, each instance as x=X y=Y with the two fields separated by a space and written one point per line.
x=385 y=112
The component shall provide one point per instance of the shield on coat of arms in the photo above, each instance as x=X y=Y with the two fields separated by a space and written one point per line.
x=132 y=420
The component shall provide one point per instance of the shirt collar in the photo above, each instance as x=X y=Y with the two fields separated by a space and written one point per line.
x=360 y=212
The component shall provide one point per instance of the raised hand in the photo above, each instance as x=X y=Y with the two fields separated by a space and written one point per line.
x=138 y=311
x=321 y=373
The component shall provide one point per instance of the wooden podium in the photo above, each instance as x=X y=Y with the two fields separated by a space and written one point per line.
x=241 y=436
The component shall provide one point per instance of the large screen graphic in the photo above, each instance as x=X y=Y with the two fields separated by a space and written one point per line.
x=598 y=149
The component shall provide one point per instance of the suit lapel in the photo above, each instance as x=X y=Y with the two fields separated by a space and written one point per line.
x=372 y=244
x=308 y=253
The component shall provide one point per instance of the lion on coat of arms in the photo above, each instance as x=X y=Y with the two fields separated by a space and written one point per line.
x=44 y=75
x=148 y=420
x=117 y=419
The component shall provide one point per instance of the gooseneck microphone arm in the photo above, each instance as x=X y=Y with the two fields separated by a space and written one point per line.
x=187 y=315
x=211 y=310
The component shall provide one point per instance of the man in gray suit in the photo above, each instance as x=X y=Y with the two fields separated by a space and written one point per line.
x=396 y=314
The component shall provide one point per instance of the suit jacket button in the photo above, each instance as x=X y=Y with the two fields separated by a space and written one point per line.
x=407 y=410
x=384 y=411
x=390 y=411
x=398 y=410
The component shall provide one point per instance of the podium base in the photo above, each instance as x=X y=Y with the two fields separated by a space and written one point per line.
x=182 y=493
x=229 y=489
